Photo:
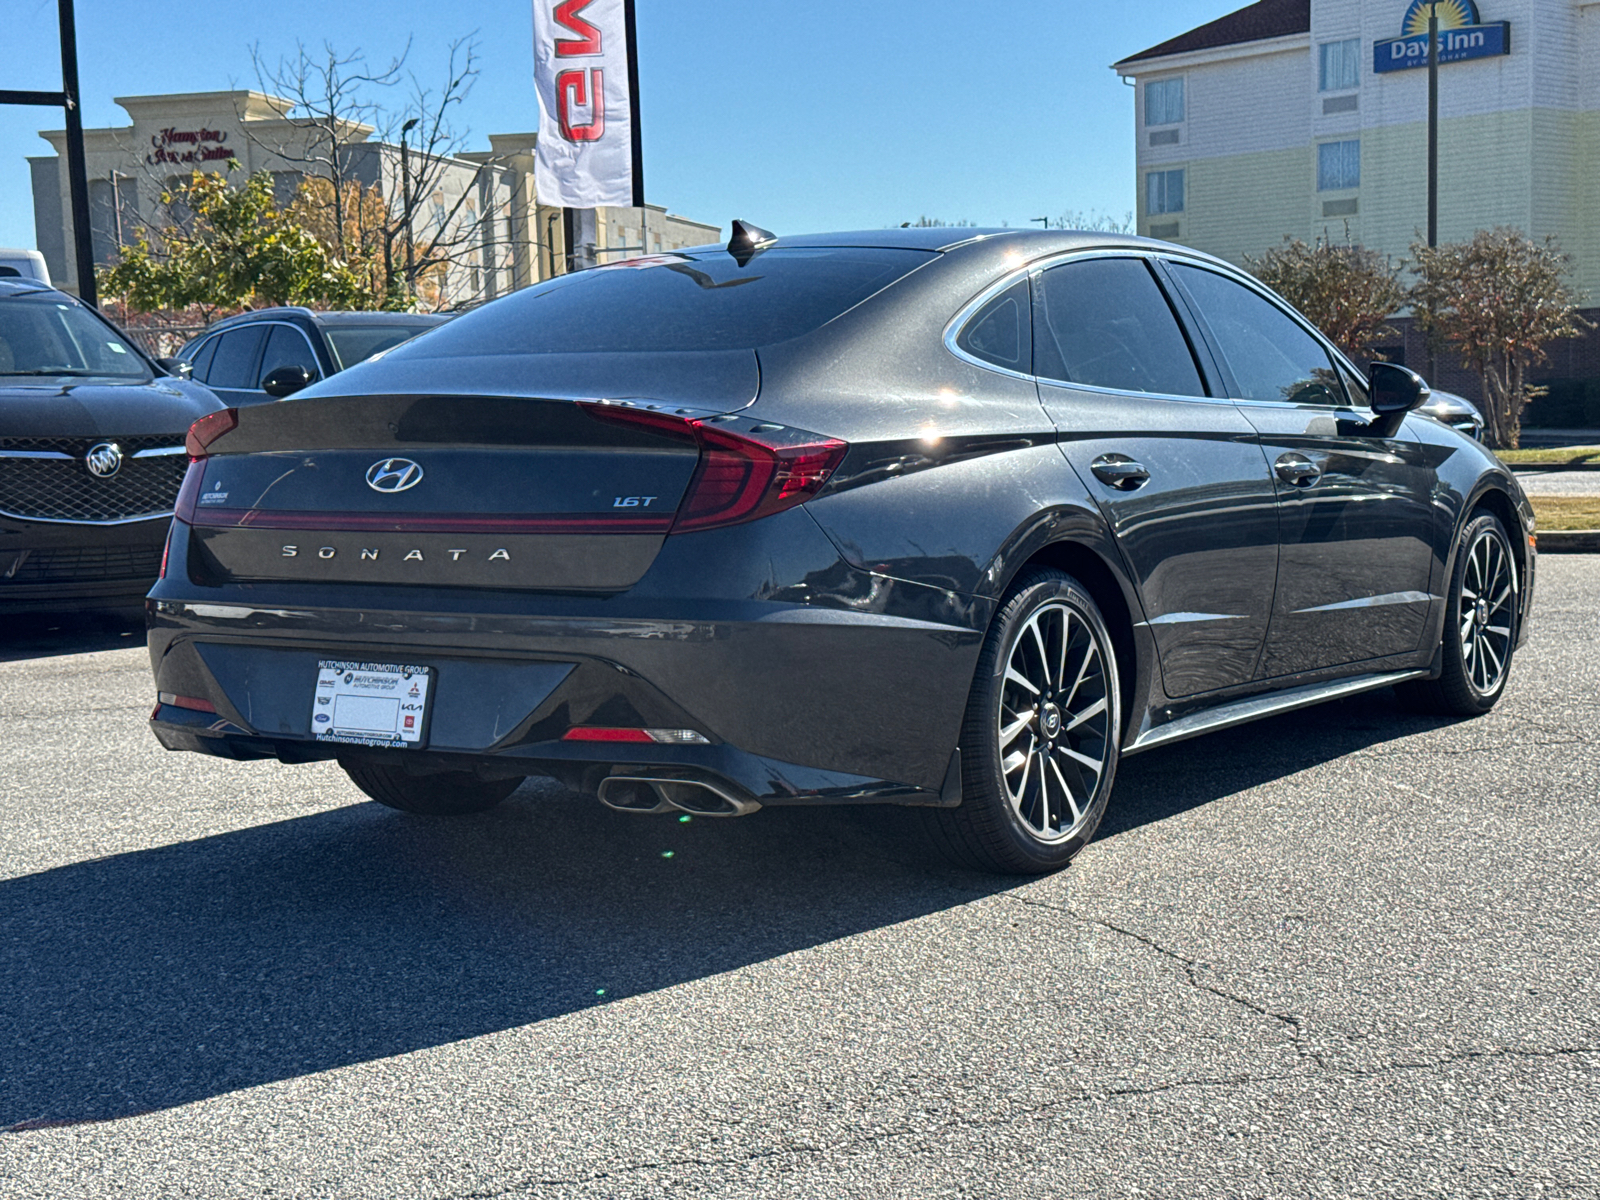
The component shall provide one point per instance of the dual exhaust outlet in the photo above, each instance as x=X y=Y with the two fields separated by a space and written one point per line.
x=642 y=794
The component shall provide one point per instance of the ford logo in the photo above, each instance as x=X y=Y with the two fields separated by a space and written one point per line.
x=393 y=475
x=104 y=460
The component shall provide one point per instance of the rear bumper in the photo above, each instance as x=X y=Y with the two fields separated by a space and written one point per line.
x=849 y=688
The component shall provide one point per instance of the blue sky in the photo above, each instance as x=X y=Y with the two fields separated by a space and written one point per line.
x=799 y=115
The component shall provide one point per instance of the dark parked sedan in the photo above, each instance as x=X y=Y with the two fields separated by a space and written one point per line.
x=274 y=352
x=953 y=520
x=91 y=455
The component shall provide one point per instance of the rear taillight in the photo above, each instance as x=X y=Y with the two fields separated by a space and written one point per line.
x=208 y=429
x=189 y=493
x=165 y=551
x=741 y=476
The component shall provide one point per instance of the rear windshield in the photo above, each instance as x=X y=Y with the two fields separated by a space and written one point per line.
x=703 y=301
x=357 y=343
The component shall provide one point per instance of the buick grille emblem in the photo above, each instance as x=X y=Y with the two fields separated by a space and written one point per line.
x=104 y=460
x=393 y=475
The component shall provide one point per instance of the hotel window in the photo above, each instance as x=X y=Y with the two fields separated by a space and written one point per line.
x=1163 y=192
x=1339 y=65
x=1163 y=102
x=1338 y=166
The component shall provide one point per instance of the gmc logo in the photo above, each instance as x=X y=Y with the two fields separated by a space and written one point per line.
x=577 y=88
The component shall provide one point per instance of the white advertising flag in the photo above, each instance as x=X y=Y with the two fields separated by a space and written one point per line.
x=587 y=149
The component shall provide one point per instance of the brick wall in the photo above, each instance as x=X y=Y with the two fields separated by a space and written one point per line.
x=1570 y=359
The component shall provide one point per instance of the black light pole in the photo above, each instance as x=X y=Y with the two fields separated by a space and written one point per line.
x=77 y=173
x=405 y=203
x=1433 y=124
x=1433 y=149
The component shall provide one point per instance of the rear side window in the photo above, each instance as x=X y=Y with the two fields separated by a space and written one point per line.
x=287 y=347
x=1106 y=323
x=235 y=361
x=1268 y=353
x=357 y=343
x=999 y=332
x=675 y=302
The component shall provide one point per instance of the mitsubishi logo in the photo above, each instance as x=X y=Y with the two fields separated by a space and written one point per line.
x=104 y=460
x=393 y=475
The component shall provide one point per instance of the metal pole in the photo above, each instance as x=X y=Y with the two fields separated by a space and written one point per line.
x=1433 y=150
x=1433 y=124
x=633 y=104
x=405 y=207
x=77 y=173
x=569 y=236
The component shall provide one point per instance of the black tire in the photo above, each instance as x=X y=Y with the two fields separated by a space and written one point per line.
x=448 y=793
x=1001 y=825
x=1477 y=649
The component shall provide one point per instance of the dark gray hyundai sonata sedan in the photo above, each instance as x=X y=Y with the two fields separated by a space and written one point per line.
x=942 y=518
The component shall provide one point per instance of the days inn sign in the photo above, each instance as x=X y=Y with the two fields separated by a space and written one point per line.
x=1461 y=36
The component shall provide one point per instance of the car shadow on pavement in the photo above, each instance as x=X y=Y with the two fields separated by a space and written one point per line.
x=45 y=635
x=1173 y=779
x=158 y=977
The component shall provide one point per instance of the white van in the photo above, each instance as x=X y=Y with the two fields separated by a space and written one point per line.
x=27 y=263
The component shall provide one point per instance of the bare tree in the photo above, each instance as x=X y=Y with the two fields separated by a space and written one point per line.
x=332 y=109
x=407 y=230
x=1093 y=221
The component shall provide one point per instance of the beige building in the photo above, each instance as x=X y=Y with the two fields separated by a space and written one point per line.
x=1309 y=118
x=481 y=203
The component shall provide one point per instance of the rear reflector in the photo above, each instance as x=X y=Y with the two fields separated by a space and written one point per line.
x=594 y=733
x=741 y=476
x=192 y=702
x=208 y=429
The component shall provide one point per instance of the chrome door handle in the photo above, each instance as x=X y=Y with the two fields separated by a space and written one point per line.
x=1119 y=471
x=1297 y=469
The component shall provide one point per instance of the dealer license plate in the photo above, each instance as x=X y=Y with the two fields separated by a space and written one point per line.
x=370 y=703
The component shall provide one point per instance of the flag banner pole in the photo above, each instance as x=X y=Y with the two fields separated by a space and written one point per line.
x=585 y=71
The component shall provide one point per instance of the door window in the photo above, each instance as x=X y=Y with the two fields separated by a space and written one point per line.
x=201 y=362
x=1106 y=323
x=1268 y=353
x=287 y=347
x=234 y=364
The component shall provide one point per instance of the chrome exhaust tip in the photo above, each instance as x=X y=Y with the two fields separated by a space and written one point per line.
x=632 y=795
x=643 y=794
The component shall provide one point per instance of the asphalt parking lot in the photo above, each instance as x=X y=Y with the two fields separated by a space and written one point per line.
x=1345 y=952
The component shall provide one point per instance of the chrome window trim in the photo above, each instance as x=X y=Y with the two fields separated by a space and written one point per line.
x=956 y=323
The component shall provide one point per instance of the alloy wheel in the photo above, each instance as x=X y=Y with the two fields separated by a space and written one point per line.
x=1054 y=722
x=1486 y=612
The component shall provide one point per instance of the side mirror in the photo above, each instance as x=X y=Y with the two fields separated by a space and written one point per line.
x=1392 y=388
x=1393 y=391
x=175 y=367
x=285 y=381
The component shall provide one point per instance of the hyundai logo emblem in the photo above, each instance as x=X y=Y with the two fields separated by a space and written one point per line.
x=104 y=460
x=393 y=475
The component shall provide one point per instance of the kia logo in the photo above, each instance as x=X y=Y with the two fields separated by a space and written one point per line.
x=104 y=460
x=393 y=475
